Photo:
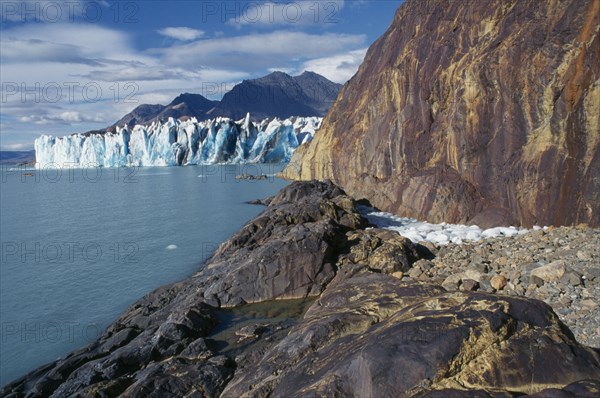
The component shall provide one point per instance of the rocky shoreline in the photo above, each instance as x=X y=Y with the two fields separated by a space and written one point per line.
x=560 y=266
x=307 y=300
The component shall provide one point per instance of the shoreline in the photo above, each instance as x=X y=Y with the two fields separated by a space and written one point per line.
x=311 y=242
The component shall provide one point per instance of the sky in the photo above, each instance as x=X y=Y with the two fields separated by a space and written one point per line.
x=70 y=66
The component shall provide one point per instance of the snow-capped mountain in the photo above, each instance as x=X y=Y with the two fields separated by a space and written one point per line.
x=176 y=143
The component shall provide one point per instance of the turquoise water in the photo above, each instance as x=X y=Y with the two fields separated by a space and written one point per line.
x=79 y=246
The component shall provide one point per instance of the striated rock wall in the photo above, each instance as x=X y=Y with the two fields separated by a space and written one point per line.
x=472 y=111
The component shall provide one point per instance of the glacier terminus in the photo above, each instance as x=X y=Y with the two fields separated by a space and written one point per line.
x=178 y=143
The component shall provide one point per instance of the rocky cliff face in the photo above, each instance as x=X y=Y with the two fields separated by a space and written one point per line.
x=470 y=111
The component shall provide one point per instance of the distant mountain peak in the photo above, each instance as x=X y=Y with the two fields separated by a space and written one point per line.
x=276 y=77
x=311 y=73
x=182 y=97
x=279 y=95
x=275 y=95
x=184 y=105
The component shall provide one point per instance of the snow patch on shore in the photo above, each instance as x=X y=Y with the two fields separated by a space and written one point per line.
x=441 y=234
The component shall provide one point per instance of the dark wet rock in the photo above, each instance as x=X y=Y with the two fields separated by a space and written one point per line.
x=579 y=389
x=296 y=192
x=260 y=202
x=446 y=393
x=251 y=331
x=427 y=250
x=289 y=251
x=178 y=377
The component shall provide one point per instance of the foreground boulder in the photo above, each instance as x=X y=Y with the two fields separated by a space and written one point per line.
x=289 y=251
x=354 y=328
x=372 y=336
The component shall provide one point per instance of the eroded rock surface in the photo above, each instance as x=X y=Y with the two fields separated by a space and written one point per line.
x=474 y=111
x=372 y=336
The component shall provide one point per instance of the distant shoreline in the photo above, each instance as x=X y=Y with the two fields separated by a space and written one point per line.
x=17 y=157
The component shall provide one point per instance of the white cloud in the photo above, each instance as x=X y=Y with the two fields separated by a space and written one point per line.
x=67 y=117
x=181 y=33
x=257 y=51
x=162 y=98
x=24 y=146
x=139 y=73
x=221 y=75
x=47 y=77
x=66 y=43
x=71 y=116
x=338 y=68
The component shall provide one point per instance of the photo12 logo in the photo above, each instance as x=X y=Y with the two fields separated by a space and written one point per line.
x=90 y=11
x=69 y=92
x=248 y=172
x=68 y=252
x=271 y=12
x=68 y=172
x=48 y=332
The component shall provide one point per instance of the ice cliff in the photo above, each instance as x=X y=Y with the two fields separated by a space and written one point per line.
x=176 y=143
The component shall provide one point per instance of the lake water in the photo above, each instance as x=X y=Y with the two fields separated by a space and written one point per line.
x=79 y=246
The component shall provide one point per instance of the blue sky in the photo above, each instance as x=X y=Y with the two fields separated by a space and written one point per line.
x=71 y=66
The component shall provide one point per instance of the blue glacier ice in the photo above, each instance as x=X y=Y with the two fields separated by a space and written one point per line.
x=178 y=143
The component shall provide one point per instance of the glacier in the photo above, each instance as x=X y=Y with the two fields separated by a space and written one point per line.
x=178 y=143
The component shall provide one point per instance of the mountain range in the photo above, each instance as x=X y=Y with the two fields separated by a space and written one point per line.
x=184 y=105
x=279 y=95
x=275 y=95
